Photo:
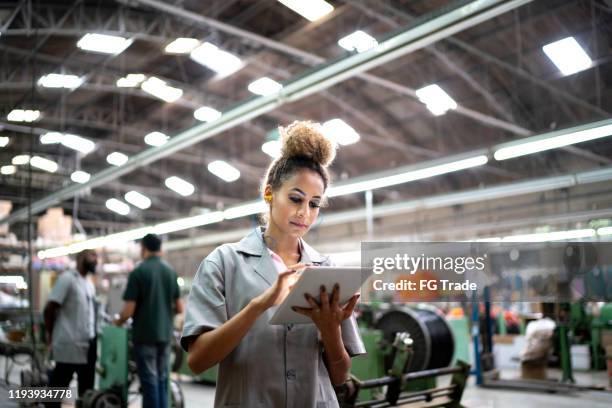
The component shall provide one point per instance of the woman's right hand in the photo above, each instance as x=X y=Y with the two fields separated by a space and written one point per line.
x=276 y=293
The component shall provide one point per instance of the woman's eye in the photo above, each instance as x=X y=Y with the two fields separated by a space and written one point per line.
x=295 y=200
x=315 y=205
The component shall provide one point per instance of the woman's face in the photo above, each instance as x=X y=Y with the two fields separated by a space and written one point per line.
x=295 y=206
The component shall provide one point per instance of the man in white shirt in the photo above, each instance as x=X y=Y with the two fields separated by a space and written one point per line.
x=70 y=321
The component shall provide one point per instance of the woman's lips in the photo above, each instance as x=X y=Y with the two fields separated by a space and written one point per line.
x=297 y=224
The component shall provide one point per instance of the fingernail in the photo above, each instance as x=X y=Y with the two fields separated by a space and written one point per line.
x=293 y=308
x=306 y=296
x=336 y=286
x=322 y=288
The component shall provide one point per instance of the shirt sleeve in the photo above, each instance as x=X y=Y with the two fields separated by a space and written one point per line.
x=206 y=309
x=131 y=290
x=61 y=288
x=351 y=337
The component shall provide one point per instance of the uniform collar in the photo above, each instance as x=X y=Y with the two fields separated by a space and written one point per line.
x=253 y=244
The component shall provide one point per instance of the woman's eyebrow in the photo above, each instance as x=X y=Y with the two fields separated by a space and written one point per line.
x=303 y=193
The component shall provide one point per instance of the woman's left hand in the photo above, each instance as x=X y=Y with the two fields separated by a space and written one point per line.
x=329 y=314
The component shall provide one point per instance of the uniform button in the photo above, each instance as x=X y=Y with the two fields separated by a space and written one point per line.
x=291 y=374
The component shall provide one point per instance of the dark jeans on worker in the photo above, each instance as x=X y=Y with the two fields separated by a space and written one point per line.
x=152 y=362
x=63 y=372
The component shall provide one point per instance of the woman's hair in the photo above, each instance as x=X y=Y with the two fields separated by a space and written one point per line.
x=303 y=147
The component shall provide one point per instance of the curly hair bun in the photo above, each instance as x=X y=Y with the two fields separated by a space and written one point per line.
x=306 y=139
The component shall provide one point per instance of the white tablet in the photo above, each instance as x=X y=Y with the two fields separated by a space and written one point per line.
x=350 y=280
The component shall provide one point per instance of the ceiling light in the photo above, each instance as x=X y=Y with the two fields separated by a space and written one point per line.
x=224 y=170
x=102 y=43
x=214 y=58
x=568 y=56
x=180 y=186
x=181 y=46
x=206 y=114
x=188 y=222
x=311 y=10
x=7 y=170
x=21 y=159
x=80 y=176
x=21 y=115
x=43 y=164
x=78 y=143
x=130 y=80
x=551 y=236
x=604 y=231
x=554 y=140
x=244 y=210
x=338 y=131
x=60 y=81
x=117 y=159
x=51 y=138
x=4 y=140
x=436 y=100
x=358 y=41
x=138 y=200
x=272 y=148
x=413 y=175
x=156 y=139
x=264 y=86
x=117 y=206
x=161 y=90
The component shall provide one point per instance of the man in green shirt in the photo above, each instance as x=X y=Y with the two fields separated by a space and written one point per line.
x=152 y=297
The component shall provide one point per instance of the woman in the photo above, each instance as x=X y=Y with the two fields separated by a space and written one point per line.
x=238 y=286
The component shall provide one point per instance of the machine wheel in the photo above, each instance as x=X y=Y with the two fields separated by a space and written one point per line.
x=176 y=395
x=107 y=399
x=433 y=340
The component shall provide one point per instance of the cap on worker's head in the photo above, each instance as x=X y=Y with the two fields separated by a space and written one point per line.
x=151 y=243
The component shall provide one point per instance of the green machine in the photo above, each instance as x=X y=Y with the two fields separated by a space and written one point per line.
x=116 y=372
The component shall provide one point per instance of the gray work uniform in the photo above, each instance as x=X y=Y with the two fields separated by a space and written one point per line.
x=273 y=365
x=75 y=323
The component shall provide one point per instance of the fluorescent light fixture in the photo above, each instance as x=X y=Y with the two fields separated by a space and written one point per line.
x=264 y=86
x=189 y=222
x=551 y=236
x=413 y=175
x=553 y=140
x=60 y=81
x=182 y=46
x=8 y=170
x=358 y=41
x=604 y=231
x=224 y=170
x=21 y=159
x=117 y=206
x=71 y=141
x=568 y=56
x=137 y=200
x=309 y=9
x=206 y=114
x=4 y=140
x=272 y=148
x=222 y=62
x=436 y=99
x=104 y=44
x=180 y=186
x=80 y=176
x=43 y=164
x=117 y=159
x=78 y=143
x=338 y=131
x=159 y=89
x=130 y=80
x=51 y=138
x=156 y=139
x=23 y=115
x=242 y=210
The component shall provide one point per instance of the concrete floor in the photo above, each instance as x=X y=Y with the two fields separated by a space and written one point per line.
x=202 y=396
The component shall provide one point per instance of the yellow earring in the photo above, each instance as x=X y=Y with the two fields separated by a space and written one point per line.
x=268 y=198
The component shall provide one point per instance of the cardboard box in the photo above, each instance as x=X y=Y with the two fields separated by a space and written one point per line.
x=533 y=370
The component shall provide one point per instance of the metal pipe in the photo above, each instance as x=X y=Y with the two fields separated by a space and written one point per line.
x=407 y=41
